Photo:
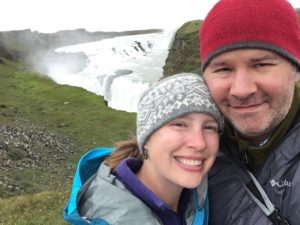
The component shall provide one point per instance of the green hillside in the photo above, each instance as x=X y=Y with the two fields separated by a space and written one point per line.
x=44 y=129
x=184 y=53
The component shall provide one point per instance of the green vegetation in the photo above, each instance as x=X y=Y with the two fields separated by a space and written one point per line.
x=64 y=111
x=39 y=209
x=184 y=53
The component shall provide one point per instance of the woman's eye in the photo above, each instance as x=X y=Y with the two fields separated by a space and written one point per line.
x=179 y=124
x=212 y=128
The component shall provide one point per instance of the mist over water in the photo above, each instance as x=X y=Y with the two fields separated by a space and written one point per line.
x=119 y=69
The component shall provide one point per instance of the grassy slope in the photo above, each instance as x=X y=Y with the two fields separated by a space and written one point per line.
x=39 y=209
x=184 y=53
x=85 y=119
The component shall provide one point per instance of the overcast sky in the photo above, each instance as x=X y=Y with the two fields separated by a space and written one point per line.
x=101 y=15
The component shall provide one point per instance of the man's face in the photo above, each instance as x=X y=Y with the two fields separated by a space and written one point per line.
x=253 y=88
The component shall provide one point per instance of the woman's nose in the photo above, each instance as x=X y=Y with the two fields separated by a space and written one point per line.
x=196 y=139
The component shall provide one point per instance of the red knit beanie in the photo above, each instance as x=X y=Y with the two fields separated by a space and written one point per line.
x=264 y=24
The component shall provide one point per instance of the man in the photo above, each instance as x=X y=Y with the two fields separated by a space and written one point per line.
x=250 y=53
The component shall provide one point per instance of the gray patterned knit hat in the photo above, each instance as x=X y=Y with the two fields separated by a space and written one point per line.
x=170 y=98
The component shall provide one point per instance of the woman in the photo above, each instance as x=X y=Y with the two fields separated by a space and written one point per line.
x=161 y=177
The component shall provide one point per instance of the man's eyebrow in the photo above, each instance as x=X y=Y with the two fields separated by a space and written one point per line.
x=217 y=64
x=264 y=57
x=255 y=59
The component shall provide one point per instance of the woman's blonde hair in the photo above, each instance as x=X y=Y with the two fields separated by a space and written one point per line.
x=123 y=150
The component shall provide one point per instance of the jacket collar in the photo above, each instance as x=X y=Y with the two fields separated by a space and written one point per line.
x=125 y=172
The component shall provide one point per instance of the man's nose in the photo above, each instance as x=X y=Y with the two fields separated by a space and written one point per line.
x=243 y=84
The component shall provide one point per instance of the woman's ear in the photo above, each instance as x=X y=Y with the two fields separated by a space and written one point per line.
x=145 y=152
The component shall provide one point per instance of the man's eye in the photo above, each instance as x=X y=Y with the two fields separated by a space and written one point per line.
x=261 y=65
x=221 y=70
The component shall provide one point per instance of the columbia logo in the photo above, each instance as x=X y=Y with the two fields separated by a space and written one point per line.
x=281 y=183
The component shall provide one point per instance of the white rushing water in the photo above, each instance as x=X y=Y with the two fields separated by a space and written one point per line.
x=120 y=68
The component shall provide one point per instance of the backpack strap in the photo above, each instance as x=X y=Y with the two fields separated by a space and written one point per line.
x=260 y=197
x=253 y=187
x=86 y=168
x=201 y=215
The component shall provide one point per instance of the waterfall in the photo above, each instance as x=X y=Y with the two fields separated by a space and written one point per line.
x=120 y=68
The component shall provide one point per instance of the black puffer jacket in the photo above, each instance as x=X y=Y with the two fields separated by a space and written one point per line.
x=230 y=204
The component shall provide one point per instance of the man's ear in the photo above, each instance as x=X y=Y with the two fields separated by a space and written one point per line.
x=296 y=71
x=297 y=76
